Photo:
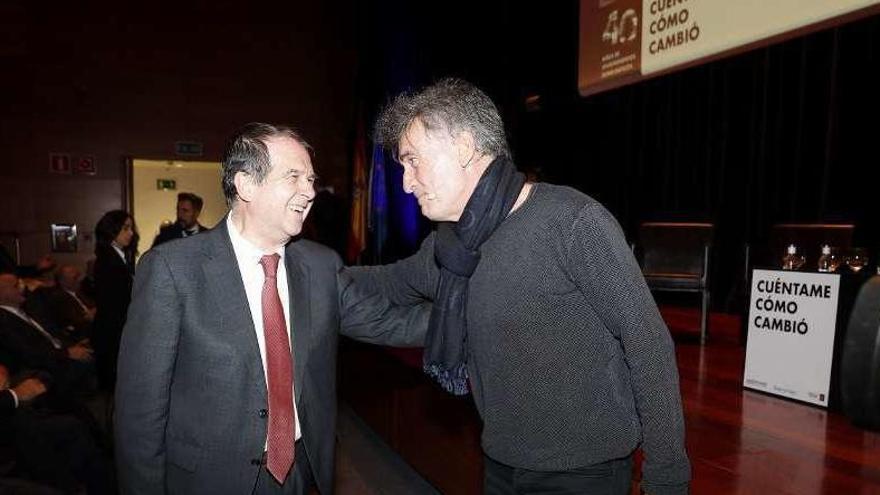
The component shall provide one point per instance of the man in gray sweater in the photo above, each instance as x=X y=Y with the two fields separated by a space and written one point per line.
x=540 y=309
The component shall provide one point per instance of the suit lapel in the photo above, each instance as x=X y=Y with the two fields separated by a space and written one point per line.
x=121 y=266
x=26 y=332
x=298 y=274
x=225 y=286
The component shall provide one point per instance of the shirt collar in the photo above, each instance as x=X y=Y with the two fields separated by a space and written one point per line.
x=245 y=248
x=119 y=252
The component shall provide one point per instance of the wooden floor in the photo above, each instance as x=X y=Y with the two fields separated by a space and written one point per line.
x=365 y=465
x=739 y=441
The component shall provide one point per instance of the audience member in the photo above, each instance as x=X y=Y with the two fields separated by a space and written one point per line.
x=26 y=345
x=48 y=447
x=41 y=274
x=63 y=304
x=11 y=399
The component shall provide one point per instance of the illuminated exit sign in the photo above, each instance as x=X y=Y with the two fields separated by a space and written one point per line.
x=166 y=184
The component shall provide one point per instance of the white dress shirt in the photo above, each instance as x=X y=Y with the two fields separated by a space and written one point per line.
x=119 y=251
x=248 y=257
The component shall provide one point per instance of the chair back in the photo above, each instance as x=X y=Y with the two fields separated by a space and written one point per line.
x=676 y=248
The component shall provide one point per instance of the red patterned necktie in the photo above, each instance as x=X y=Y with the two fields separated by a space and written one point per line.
x=279 y=374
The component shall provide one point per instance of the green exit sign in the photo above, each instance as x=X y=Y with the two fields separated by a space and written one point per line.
x=166 y=184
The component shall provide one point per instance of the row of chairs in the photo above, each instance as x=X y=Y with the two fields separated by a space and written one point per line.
x=675 y=256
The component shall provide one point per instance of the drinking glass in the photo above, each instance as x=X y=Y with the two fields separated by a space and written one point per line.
x=856 y=259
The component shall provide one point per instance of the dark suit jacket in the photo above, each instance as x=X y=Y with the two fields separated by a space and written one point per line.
x=62 y=309
x=25 y=352
x=173 y=231
x=23 y=348
x=191 y=386
x=113 y=281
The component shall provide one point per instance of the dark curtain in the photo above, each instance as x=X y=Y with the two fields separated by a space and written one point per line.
x=786 y=133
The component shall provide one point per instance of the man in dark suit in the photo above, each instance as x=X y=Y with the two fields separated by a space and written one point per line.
x=227 y=369
x=189 y=207
x=63 y=304
x=26 y=344
x=56 y=449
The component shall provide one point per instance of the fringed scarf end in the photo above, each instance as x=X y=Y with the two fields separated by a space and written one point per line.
x=454 y=381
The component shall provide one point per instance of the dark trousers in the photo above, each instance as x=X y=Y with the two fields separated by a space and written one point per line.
x=298 y=482
x=607 y=478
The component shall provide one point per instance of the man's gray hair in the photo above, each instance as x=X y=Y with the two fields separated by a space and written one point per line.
x=247 y=152
x=451 y=105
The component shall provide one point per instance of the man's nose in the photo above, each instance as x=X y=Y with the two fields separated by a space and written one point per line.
x=408 y=180
x=308 y=190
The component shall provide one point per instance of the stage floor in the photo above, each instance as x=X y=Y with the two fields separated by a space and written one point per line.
x=739 y=441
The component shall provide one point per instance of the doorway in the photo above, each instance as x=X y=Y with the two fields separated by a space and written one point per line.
x=155 y=186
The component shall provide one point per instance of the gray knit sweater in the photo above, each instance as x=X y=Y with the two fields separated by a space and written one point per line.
x=569 y=360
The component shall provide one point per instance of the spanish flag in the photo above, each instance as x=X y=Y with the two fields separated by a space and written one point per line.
x=357 y=236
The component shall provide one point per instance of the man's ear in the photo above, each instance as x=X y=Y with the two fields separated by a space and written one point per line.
x=465 y=148
x=244 y=186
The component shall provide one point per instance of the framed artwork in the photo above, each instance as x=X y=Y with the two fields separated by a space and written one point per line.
x=63 y=237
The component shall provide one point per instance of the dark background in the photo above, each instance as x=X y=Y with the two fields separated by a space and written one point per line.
x=778 y=134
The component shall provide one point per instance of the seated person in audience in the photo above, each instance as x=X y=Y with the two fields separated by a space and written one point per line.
x=11 y=399
x=42 y=274
x=26 y=345
x=55 y=449
x=62 y=304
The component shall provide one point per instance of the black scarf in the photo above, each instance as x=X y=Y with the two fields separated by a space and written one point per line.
x=457 y=253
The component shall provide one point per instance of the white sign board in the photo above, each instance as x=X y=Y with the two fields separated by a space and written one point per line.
x=623 y=41
x=677 y=31
x=792 y=321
